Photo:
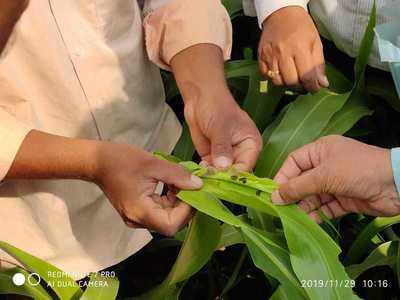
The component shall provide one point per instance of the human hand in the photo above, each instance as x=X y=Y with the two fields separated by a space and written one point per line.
x=338 y=175
x=290 y=50
x=129 y=177
x=222 y=132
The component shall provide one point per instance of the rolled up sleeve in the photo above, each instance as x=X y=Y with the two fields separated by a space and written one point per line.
x=12 y=134
x=180 y=24
x=265 y=8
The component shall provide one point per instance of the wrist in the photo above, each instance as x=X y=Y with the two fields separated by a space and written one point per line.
x=284 y=12
x=198 y=93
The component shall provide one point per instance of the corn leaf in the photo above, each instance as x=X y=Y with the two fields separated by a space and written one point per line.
x=313 y=254
x=31 y=290
x=338 y=83
x=281 y=293
x=346 y=118
x=67 y=289
x=365 y=50
x=383 y=255
x=363 y=240
x=267 y=253
x=185 y=148
x=194 y=254
x=234 y=7
x=260 y=106
x=101 y=288
x=229 y=236
x=303 y=122
x=274 y=261
x=235 y=274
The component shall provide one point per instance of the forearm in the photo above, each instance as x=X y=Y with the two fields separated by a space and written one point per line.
x=199 y=71
x=10 y=12
x=46 y=156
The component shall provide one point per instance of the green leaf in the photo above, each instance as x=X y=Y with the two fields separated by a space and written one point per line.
x=234 y=7
x=229 y=236
x=365 y=49
x=210 y=205
x=272 y=260
x=34 y=291
x=240 y=195
x=363 y=240
x=272 y=126
x=185 y=148
x=282 y=294
x=266 y=250
x=101 y=288
x=346 y=118
x=195 y=249
x=194 y=254
x=383 y=255
x=302 y=123
x=235 y=274
x=313 y=254
x=67 y=289
x=259 y=106
x=338 y=83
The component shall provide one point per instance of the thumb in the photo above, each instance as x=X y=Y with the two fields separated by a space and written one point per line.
x=297 y=188
x=176 y=175
x=221 y=149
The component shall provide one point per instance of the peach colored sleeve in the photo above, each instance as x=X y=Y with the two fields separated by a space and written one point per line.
x=180 y=24
x=12 y=134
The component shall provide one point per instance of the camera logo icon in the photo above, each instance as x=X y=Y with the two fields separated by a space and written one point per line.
x=20 y=279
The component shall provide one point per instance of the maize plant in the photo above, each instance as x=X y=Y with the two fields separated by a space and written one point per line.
x=297 y=258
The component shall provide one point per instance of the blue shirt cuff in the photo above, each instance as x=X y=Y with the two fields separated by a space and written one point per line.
x=395 y=158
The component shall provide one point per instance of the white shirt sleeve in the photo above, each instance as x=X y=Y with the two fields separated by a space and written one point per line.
x=265 y=8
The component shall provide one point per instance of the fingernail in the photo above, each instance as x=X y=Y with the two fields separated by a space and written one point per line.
x=324 y=81
x=223 y=162
x=197 y=182
x=276 y=198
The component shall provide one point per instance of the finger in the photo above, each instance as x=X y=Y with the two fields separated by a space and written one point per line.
x=181 y=215
x=315 y=217
x=174 y=174
x=333 y=209
x=274 y=67
x=306 y=70
x=247 y=151
x=297 y=188
x=200 y=141
x=166 y=221
x=310 y=203
x=132 y=223
x=318 y=54
x=298 y=161
x=288 y=71
x=265 y=53
x=221 y=148
x=263 y=68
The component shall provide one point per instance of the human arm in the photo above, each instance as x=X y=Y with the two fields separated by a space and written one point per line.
x=338 y=175
x=127 y=175
x=290 y=49
x=193 y=39
x=222 y=133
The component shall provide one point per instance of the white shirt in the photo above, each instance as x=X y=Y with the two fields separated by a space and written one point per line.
x=341 y=21
x=79 y=68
